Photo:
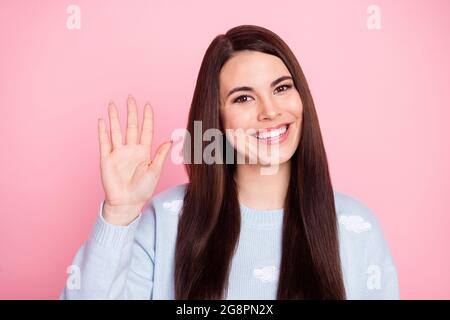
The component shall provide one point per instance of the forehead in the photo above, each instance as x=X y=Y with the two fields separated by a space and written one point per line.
x=251 y=68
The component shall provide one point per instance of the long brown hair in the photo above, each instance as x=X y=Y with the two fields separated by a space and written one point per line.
x=209 y=226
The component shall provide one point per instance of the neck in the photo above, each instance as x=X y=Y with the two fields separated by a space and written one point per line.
x=262 y=192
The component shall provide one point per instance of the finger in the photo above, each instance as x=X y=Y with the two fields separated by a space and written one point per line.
x=105 y=147
x=160 y=156
x=147 y=126
x=116 y=135
x=132 y=121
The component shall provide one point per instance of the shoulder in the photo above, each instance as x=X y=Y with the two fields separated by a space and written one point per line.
x=353 y=215
x=360 y=230
x=368 y=265
x=170 y=200
x=160 y=211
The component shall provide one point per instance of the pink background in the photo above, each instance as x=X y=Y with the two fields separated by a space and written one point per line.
x=382 y=97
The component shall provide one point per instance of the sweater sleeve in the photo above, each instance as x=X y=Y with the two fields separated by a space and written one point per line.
x=116 y=262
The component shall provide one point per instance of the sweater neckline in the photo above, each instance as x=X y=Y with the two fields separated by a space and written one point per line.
x=251 y=217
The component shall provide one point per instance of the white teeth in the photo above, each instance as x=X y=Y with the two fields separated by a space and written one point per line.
x=272 y=133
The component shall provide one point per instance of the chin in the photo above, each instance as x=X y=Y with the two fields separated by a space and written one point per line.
x=282 y=159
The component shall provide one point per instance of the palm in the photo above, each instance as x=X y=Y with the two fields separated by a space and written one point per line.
x=123 y=178
x=129 y=176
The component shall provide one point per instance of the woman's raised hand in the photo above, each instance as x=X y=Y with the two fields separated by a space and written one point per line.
x=129 y=176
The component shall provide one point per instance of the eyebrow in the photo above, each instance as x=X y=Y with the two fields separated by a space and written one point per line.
x=273 y=84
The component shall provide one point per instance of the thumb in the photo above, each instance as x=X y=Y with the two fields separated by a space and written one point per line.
x=160 y=156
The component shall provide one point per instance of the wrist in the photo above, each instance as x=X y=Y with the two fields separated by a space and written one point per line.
x=120 y=215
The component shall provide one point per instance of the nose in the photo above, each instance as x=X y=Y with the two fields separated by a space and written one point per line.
x=268 y=111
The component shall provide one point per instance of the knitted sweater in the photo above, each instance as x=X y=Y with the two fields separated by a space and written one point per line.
x=137 y=261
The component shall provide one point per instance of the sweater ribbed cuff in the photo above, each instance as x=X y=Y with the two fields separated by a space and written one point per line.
x=113 y=236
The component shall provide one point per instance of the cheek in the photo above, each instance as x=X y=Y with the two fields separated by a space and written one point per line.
x=235 y=124
x=236 y=119
x=294 y=106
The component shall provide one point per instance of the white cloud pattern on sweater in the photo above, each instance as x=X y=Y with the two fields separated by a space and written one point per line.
x=355 y=223
x=173 y=206
x=266 y=274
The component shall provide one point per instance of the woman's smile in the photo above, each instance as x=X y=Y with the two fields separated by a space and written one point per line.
x=276 y=135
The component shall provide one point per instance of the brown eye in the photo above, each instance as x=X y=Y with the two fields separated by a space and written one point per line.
x=238 y=99
x=286 y=86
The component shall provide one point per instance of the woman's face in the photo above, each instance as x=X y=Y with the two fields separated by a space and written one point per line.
x=269 y=100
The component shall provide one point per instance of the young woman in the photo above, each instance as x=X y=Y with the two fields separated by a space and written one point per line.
x=232 y=231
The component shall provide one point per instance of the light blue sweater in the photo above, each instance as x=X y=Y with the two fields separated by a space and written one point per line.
x=137 y=261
